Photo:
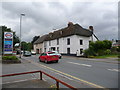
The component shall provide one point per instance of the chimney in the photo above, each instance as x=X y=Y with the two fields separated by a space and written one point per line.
x=70 y=24
x=91 y=28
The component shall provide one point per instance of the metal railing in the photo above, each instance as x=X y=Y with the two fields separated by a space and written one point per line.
x=41 y=72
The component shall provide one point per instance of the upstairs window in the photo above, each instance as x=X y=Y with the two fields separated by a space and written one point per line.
x=81 y=42
x=57 y=41
x=49 y=43
x=68 y=41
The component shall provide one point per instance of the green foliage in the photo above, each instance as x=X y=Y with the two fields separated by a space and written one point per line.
x=107 y=52
x=89 y=52
x=98 y=48
x=26 y=46
x=9 y=58
x=118 y=48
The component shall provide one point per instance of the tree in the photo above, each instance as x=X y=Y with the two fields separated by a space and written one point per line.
x=15 y=37
x=99 y=48
x=34 y=39
x=26 y=46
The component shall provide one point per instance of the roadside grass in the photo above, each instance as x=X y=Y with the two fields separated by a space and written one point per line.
x=9 y=58
x=106 y=56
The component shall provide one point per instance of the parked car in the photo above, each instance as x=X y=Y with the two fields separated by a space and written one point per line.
x=48 y=57
x=33 y=53
x=27 y=53
x=14 y=52
x=56 y=53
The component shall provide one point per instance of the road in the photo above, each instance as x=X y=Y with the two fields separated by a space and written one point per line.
x=78 y=72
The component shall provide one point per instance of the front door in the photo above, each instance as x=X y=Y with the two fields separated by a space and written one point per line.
x=68 y=50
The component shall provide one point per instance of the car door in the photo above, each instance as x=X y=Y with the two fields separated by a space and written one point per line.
x=42 y=57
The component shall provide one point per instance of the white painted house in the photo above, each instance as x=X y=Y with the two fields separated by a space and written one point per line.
x=71 y=40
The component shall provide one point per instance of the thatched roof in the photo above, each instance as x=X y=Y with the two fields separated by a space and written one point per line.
x=72 y=29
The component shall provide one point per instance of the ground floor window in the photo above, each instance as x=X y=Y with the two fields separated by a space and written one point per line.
x=37 y=51
x=53 y=48
x=45 y=49
x=68 y=50
x=58 y=49
x=81 y=51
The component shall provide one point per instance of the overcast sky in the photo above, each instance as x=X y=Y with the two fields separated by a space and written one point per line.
x=42 y=17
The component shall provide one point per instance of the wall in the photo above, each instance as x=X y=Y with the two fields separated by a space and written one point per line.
x=74 y=44
x=38 y=46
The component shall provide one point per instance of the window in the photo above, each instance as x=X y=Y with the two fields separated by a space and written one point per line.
x=81 y=51
x=58 y=49
x=45 y=49
x=49 y=43
x=49 y=49
x=68 y=50
x=58 y=41
x=68 y=41
x=81 y=42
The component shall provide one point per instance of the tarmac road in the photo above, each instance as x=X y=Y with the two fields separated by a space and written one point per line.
x=86 y=73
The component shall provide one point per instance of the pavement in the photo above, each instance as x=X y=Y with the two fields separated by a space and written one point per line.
x=22 y=81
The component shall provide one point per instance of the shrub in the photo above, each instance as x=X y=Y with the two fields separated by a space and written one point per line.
x=9 y=58
x=89 y=52
x=107 y=52
x=100 y=52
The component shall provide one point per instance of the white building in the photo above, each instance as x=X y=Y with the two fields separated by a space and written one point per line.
x=71 y=40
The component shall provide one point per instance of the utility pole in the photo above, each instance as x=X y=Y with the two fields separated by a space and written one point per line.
x=20 y=30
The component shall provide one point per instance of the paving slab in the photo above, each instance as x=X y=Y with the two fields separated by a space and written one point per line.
x=36 y=83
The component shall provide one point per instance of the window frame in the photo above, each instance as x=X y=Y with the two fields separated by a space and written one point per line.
x=81 y=42
x=68 y=41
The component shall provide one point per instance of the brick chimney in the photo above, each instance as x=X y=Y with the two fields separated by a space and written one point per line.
x=91 y=28
x=70 y=24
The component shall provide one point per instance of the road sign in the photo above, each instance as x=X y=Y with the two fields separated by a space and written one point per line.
x=8 y=42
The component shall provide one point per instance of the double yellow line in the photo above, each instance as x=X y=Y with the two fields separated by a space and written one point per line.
x=89 y=83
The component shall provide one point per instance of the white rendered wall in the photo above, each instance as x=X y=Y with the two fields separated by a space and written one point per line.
x=74 y=44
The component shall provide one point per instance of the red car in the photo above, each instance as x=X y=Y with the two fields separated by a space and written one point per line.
x=48 y=57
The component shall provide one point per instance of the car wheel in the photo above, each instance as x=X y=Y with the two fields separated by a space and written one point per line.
x=40 y=60
x=46 y=61
x=60 y=57
x=56 y=61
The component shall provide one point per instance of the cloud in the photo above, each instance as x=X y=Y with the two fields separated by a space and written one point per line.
x=42 y=17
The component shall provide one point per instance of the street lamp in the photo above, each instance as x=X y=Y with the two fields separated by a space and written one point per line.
x=20 y=30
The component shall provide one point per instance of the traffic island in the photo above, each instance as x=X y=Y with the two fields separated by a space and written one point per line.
x=10 y=60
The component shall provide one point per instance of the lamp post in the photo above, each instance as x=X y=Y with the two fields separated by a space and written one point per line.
x=20 y=30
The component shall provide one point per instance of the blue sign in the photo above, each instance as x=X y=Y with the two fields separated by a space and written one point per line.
x=8 y=50
x=7 y=42
x=7 y=46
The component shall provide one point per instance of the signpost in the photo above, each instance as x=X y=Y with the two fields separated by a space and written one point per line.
x=8 y=42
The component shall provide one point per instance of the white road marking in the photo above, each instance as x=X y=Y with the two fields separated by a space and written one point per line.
x=81 y=64
x=64 y=76
x=114 y=70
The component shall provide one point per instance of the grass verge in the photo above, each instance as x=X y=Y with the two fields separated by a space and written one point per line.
x=106 y=56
